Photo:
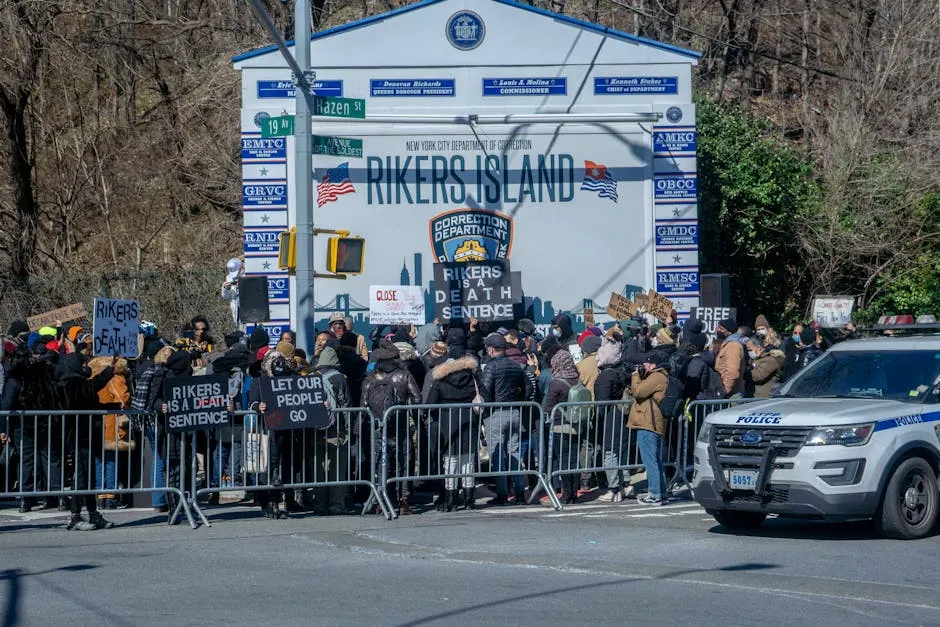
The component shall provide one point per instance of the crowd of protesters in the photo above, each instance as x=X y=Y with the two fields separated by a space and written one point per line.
x=633 y=361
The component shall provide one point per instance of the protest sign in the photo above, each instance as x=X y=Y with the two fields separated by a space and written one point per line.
x=641 y=301
x=396 y=304
x=833 y=311
x=115 y=327
x=658 y=306
x=487 y=291
x=589 y=317
x=63 y=314
x=711 y=316
x=295 y=402
x=620 y=308
x=196 y=403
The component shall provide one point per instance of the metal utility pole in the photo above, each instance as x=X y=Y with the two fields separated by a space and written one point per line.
x=299 y=64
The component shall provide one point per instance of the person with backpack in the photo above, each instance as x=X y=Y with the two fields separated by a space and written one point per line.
x=330 y=460
x=565 y=387
x=390 y=385
x=611 y=384
x=650 y=383
x=504 y=381
x=456 y=381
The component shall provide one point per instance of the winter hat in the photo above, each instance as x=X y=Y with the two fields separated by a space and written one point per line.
x=233 y=268
x=591 y=345
x=47 y=332
x=18 y=327
x=179 y=363
x=526 y=326
x=563 y=366
x=73 y=332
x=259 y=338
x=285 y=348
x=761 y=321
x=808 y=336
x=729 y=324
x=697 y=341
x=609 y=352
x=262 y=352
x=583 y=336
x=438 y=350
x=495 y=340
x=693 y=325
x=665 y=337
x=386 y=350
x=151 y=348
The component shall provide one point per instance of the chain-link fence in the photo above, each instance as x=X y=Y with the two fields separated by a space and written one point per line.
x=168 y=297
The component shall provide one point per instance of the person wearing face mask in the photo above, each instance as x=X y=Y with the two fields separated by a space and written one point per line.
x=561 y=330
x=791 y=352
x=765 y=367
x=730 y=360
x=765 y=332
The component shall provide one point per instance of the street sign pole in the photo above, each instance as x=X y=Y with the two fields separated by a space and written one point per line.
x=303 y=176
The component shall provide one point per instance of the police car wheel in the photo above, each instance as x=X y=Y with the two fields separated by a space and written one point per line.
x=739 y=520
x=909 y=506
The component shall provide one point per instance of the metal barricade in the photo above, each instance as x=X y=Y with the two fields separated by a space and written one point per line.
x=448 y=446
x=249 y=457
x=60 y=454
x=593 y=437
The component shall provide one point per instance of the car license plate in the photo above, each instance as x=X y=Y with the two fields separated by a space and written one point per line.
x=742 y=479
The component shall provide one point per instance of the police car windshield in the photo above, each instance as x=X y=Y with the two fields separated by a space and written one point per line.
x=906 y=376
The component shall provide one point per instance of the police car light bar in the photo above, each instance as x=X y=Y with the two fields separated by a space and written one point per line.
x=539 y=118
x=907 y=323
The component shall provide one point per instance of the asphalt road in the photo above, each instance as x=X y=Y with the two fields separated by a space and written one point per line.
x=590 y=564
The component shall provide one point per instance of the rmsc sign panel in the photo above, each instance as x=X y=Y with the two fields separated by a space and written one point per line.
x=581 y=208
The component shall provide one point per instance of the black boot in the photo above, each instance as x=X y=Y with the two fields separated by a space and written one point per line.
x=469 y=498
x=453 y=497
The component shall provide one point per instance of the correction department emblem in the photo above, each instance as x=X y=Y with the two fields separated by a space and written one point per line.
x=465 y=30
x=465 y=235
x=260 y=117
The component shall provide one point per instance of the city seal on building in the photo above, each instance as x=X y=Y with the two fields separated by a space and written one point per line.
x=465 y=235
x=465 y=30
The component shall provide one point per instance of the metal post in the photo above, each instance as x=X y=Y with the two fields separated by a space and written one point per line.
x=303 y=175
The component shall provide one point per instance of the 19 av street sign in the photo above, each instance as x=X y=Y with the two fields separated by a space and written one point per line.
x=280 y=126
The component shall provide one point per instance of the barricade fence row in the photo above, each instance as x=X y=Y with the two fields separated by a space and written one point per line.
x=91 y=455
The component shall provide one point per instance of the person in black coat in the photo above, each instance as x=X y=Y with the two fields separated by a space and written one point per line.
x=455 y=382
x=611 y=383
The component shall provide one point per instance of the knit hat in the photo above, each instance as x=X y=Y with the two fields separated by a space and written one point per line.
x=657 y=358
x=665 y=336
x=526 y=326
x=285 y=348
x=609 y=352
x=47 y=332
x=761 y=321
x=729 y=324
x=591 y=345
x=259 y=337
x=18 y=327
x=583 y=336
x=693 y=325
x=386 y=350
x=179 y=363
x=262 y=352
x=438 y=349
x=73 y=332
x=495 y=340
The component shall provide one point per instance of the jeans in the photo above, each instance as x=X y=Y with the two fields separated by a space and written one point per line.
x=503 y=436
x=158 y=467
x=651 y=453
x=616 y=446
x=227 y=451
x=106 y=471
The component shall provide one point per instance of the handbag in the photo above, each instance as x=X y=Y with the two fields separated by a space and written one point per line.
x=478 y=399
x=256 y=453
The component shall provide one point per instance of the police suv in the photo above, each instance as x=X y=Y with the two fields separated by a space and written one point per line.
x=855 y=435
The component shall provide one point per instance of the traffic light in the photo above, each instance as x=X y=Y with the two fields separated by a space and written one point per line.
x=346 y=255
x=287 y=249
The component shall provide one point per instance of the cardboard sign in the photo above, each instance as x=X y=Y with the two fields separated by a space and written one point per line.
x=64 y=314
x=589 y=317
x=196 y=403
x=115 y=328
x=658 y=305
x=485 y=290
x=711 y=316
x=641 y=301
x=294 y=403
x=833 y=311
x=396 y=304
x=619 y=308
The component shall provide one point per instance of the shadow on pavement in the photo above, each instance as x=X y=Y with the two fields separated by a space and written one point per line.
x=796 y=529
x=14 y=576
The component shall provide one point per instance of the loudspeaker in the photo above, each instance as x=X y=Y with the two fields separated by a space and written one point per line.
x=253 y=299
x=715 y=290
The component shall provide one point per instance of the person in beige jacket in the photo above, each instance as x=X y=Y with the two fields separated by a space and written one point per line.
x=649 y=385
x=730 y=361
x=587 y=367
x=766 y=362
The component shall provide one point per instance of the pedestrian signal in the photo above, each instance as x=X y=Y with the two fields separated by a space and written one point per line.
x=346 y=255
x=287 y=249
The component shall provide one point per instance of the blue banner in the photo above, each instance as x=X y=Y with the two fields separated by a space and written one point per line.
x=412 y=87
x=676 y=235
x=261 y=241
x=557 y=86
x=264 y=148
x=278 y=288
x=675 y=188
x=633 y=85
x=677 y=281
x=285 y=89
x=674 y=141
x=264 y=194
x=274 y=329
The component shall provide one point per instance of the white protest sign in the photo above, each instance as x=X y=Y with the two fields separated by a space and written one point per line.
x=833 y=311
x=395 y=304
x=116 y=327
